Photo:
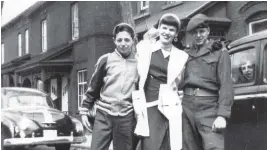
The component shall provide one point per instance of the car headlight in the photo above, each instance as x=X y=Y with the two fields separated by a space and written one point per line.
x=78 y=125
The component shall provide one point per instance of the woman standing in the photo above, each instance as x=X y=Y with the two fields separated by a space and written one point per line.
x=157 y=104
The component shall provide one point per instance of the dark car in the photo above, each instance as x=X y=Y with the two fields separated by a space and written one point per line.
x=247 y=128
x=29 y=118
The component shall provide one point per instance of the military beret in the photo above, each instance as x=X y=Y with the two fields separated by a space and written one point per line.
x=198 y=21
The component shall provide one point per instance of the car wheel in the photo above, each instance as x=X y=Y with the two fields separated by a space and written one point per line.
x=62 y=147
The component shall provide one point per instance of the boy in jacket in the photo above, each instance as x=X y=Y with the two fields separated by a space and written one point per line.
x=110 y=90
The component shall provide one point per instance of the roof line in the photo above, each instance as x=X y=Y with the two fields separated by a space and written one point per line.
x=201 y=8
x=28 y=11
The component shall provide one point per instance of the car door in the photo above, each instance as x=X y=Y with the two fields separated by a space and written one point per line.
x=246 y=129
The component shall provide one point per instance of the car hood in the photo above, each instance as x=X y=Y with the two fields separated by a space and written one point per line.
x=37 y=114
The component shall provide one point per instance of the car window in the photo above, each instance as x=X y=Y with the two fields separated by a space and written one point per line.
x=243 y=64
x=27 y=100
x=13 y=98
x=265 y=65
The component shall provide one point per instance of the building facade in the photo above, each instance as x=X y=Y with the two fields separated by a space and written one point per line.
x=53 y=46
x=229 y=19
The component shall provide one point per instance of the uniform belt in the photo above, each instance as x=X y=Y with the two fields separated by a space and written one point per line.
x=199 y=92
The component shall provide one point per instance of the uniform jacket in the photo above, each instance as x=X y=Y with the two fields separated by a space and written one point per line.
x=169 y=102
x=210 y=69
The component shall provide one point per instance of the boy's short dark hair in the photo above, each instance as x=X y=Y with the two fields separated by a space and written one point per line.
x=124 y=27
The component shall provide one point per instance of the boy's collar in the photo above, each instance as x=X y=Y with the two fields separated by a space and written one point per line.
x=119 y=54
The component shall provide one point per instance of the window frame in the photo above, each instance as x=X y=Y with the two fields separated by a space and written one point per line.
x=83 y=85
x=26 y=36
x=264 y=77
x=44 y=35
x=255 y=22
x=244 y=47
x=74 y=21
x=144 y=7
x=19 y=45
x=2 y=53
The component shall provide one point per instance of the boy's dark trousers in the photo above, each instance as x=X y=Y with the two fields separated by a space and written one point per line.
x=120 y=129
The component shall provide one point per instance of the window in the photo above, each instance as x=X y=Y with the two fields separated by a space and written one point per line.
x=44 y=36
x=144 y=5
x=19 y=45
x=26 y=41
x=216 y=34
x=82 y=85
x=244 y=66
x=74 y=21
x=171 y=2
x=257 y=26
x=265 y=65
x=2 y=53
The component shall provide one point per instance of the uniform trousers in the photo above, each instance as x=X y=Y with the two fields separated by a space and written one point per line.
x=199 y=113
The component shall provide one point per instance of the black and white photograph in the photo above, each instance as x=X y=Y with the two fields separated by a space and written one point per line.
x=133 y=75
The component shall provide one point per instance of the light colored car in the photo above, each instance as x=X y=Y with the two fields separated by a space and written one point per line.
x=29 y=118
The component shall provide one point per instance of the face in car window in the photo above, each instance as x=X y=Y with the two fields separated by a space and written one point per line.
x=243 y=66
x=247 y=70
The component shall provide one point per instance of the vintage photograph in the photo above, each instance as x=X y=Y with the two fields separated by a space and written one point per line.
x=133 y=75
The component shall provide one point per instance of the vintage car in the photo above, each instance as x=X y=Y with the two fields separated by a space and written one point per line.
x=247 y=127
x=29 y=118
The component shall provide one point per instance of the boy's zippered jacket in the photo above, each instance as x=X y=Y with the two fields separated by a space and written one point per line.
x=112 y=83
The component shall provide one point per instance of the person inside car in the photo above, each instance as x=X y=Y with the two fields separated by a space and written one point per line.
x=247 y=70
x=245 y=73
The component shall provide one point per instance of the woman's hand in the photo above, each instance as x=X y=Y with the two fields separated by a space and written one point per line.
x=151 y=34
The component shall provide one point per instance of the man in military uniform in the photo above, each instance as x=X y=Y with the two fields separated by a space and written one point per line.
x=208 y=89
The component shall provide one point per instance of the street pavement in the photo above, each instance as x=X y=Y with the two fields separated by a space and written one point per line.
x=87 y=144
x=44 y=147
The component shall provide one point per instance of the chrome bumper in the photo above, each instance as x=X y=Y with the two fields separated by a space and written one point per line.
x=44 y=141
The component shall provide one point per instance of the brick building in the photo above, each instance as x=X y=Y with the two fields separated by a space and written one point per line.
x=53 y=46
x=230 y=19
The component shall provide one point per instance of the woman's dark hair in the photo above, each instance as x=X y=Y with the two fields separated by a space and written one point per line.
x=123 y=27
x=170 y=19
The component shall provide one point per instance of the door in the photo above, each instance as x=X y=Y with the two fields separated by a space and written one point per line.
x=53 y=89
x=64 y=95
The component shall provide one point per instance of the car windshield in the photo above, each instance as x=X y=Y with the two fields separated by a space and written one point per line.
x=18 y=99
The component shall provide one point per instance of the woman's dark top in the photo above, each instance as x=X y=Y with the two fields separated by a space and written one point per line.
x=157 y=75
